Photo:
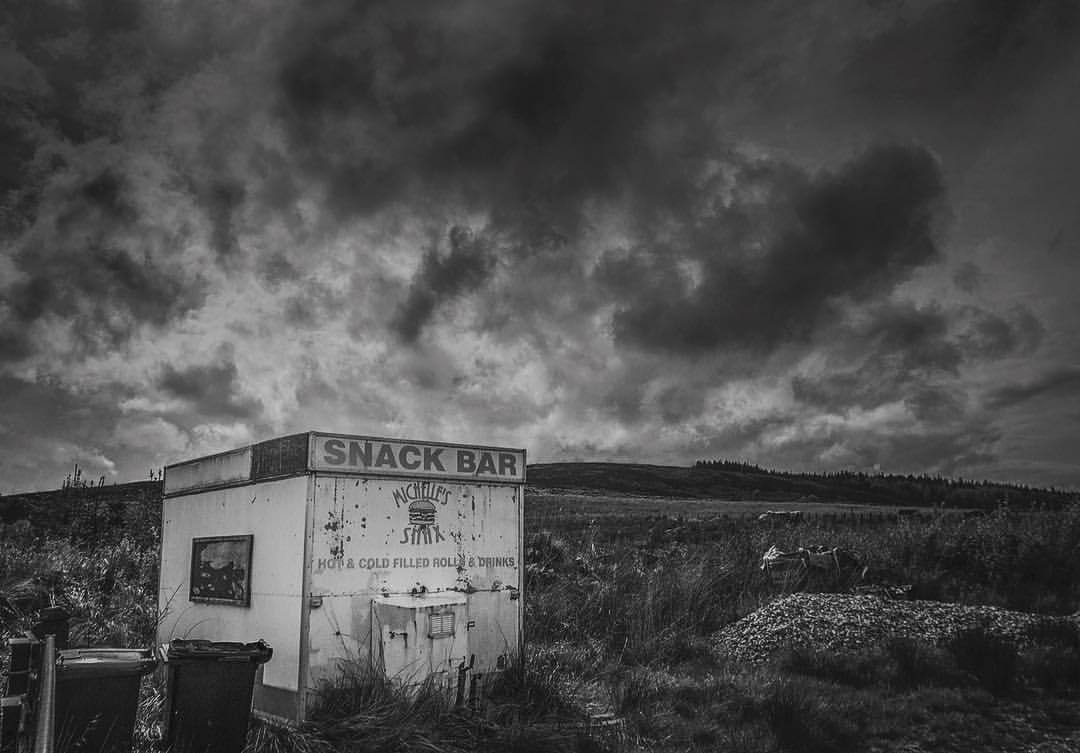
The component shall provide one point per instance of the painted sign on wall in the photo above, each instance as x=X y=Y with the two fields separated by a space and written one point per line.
x=344 y=454
x=402 y=531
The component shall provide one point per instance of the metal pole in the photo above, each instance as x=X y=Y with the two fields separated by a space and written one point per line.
x=46 y=712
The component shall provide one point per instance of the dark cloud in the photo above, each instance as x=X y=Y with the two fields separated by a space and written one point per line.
x=100 y=205
x=56 y=405
x=81 y=245
x=537 y=105
x=222 y=200
x=946 y=449
x=1062 y=383
x=968 y=277
x=66 y=48
x=948 y=440
x=94 y=265
x=105 y=193
x=851 y=234
x=15 y=344
x=101 y=289
x=49 y=426
x=92 y=77
x=936 y=405
x=385 y=104
x=312 y=306
x=18 y=140
x=622 y=398
x=735 y=437
x=963 y=53
x=678 y=403
x=465 y=267
x=276 y=268
x=212 y=389
x=914 y=354
x=989 y=335
x=875 y=383
x=913 y=338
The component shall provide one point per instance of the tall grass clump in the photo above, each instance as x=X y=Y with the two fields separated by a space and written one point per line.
x=1022 y=560
x=267 y=737
x=109 y=588
x=359 y=710
x=991 y=659
x=857 y=670
x=641 y=604
x=536 y=688
x=803 y=721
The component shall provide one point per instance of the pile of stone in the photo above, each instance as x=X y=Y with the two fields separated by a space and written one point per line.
x=844 y=622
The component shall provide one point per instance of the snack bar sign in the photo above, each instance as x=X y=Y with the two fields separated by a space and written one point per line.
x=396 y=458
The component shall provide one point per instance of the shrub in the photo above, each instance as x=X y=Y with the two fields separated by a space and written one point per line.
x=1052 y=662
x=804 y=723
x=533 y=689
x=1052 y=668
x=915 y=663
x=634 y=691
x=903 y=663
x=361 y=711
x=991 y=659
x=857 y=670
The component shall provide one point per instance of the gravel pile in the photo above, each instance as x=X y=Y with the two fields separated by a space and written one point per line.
x=842 y=622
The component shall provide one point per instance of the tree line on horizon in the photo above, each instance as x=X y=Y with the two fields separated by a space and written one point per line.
x=916 y=489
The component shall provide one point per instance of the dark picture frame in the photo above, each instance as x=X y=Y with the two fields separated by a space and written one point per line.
x=221 y=570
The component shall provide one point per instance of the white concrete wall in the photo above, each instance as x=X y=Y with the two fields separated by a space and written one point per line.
x=274 y=513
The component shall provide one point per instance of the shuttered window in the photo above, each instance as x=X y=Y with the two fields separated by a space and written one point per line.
x=441 y=625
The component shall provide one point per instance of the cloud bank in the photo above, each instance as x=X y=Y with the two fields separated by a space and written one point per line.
x=602 y=231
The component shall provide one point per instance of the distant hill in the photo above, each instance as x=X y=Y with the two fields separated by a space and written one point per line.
x=732 y=480
x=92 y=512
x=86 y=512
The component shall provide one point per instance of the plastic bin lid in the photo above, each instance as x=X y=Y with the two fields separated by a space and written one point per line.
x=179 y=650
x=104 y=662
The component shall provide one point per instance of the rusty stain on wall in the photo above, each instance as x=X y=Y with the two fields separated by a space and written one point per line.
x=336 y=523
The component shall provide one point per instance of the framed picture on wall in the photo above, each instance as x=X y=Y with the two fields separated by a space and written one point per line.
x=221 y=570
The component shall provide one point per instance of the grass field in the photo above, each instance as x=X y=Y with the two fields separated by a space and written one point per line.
x=624 y=614
x=556 y=509
x=624 y=594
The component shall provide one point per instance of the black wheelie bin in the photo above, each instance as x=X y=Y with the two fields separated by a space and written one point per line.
x=208 y=688
x=97 y=696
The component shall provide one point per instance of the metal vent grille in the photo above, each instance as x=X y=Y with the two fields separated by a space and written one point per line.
x=441 y=625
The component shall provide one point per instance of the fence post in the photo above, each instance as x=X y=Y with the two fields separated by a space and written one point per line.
x=46 y=712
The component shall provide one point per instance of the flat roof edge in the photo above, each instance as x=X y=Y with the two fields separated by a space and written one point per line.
x=382 y=457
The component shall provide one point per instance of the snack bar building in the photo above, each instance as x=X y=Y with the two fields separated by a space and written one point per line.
x=406 y=555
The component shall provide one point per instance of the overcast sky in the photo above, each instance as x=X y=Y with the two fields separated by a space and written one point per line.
x=839 y=234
